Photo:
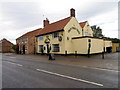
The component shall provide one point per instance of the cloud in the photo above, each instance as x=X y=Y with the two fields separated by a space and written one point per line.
x=95 y=9
x=108 y=21
x=17 y=18
x=23 y=14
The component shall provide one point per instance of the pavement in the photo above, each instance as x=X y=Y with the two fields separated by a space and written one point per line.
x=110 y=62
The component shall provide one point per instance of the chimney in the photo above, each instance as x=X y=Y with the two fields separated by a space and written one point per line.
x=45 y=22
x=72 y=12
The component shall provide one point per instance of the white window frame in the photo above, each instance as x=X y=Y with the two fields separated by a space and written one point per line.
x=40 y=38
x=86 y=34
x=55 y=35
x=56 y=48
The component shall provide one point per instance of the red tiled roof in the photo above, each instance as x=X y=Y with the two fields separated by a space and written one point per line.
x=82 y=24
x=56 y=26
x=26 y=34
x=5 y=40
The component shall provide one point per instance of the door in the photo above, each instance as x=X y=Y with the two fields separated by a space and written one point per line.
x=41 y=49
x=23 y=49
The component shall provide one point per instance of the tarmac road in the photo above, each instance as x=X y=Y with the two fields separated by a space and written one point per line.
x=23 y=73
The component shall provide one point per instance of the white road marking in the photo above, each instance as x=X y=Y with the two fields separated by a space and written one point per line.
x=15 y=64
x=105 y=69
x=99 y=68
x=19 y=65
x=69 y=77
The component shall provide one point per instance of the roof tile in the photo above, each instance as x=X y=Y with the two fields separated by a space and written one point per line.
x=82 y=24
x=56 y=26
x=59 y=25
x=34 y=31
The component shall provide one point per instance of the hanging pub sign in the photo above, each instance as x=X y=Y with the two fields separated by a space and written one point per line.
x=60 y=38
x=47 y=40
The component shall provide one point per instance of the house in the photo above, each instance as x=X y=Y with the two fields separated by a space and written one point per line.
x=68 y=36
x=26 y=43
x=6 y=46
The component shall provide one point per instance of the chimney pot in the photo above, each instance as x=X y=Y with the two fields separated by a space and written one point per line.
x=45 y=22
x=72 y=12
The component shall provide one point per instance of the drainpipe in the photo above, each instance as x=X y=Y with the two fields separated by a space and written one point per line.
x=82 y=32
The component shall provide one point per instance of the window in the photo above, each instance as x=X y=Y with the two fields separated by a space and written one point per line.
x=40 y=38
x=86 y=34
x=56 y=48
x=56 y=34
x=40 y=48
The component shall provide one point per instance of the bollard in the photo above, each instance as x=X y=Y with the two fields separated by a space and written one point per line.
x=88 y=52
x=51 y=57
x=65 y=53
x=103 y=55
x=75 y=53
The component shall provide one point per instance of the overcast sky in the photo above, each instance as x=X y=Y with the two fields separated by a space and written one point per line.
x=18 y=17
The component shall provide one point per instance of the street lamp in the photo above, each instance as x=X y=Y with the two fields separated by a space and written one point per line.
x=89 y=46
x=47 y=41
x=103 y=49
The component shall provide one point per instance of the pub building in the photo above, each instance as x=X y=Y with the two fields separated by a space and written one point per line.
x=68 y=36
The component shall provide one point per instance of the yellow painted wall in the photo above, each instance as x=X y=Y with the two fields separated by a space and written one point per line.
x=73 y=33
x=88 y=29
x=108 y=44
x=96 y=45
x=80 y=45
x=114 y=46
x=52 y=41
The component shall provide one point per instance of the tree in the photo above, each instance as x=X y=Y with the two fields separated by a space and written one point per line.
x=14 y=47
x=114 y=40
x=97 y=31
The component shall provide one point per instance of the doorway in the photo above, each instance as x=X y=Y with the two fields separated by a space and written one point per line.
x=108 y=49
x=23 y=49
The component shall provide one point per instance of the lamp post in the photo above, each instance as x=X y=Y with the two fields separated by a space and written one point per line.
x=89 y=46
x=47 y=41
x=103 y=55
x=51 y=56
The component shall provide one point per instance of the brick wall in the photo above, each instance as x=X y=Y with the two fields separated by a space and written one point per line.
x=6 y=46
x=30 y=44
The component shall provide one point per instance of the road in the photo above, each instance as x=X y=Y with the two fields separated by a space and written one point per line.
x=23 y=73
